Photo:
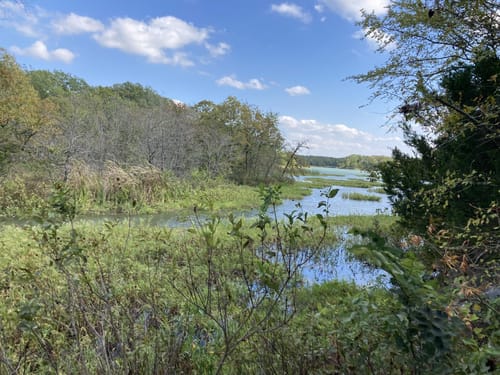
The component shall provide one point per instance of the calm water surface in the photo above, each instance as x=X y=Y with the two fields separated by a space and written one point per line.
x=334 y=263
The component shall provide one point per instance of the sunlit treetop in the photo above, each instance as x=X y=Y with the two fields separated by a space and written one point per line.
x=424 y=40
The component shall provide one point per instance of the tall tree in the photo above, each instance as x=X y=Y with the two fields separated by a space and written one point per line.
x=23 y=114
x=443 y=67
x=57 y=83
x=256 y=143
x=213 y=140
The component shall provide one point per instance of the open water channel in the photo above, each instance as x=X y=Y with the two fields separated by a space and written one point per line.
x=334 y=263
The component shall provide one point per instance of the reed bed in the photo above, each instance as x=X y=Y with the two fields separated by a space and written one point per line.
x=361 y=197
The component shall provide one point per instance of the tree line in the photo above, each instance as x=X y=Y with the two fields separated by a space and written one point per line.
x=54 y=119
x=363 y=162
x=443 y=67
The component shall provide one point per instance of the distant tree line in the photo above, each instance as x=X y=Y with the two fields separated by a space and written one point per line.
x=362 y=162
x=55 y=119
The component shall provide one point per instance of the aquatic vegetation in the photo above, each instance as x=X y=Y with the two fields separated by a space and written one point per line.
x=361 y=197
x=359 y=183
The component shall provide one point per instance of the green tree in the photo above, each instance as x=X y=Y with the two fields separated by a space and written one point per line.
x=57 y=83
x=135 y=92
x=443 y=68
x=256 y=143
x=22 y=113
x=213 y=140
x=245 y=144
x=444 y=71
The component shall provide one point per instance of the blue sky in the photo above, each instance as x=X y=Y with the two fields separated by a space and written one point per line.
x=290 y=58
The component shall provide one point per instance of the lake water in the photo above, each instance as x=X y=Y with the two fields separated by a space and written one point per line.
x=334 y=263
x=309 y=204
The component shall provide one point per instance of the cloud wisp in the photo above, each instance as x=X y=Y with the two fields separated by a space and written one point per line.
x=297 y=90
x=351 y=9
x=292 y=11
x=336 y=140
x=252 y=84
x=153 y=39
x=161 y=40
x=73 y=24
x=15 y=15
x=220 y=49
x=39 y=50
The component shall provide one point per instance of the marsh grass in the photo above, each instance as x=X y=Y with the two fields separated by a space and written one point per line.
x=22 y=198
x=217 y=298
x=116 y=189
x=361 y=197
x=138 y=189
x=364 y=222
x=296 y=190
x=359 y=183
x=114 y=186
x=378 y=190
x=315 y=172
x=119 y=298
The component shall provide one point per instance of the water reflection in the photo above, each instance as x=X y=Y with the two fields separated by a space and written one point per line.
x=336 y=263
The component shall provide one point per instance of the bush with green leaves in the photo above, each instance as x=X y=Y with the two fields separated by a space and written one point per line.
x=226 y=296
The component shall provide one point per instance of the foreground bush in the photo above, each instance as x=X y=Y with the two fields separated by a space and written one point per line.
x=223 y=297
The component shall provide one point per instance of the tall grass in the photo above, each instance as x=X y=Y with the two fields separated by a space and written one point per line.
x=378 y=190
x=364 y=222
x=361 y=197
x=141 y=189
x=359 y=183
x=223 y=297
x=149 y=190
x=22 y=195
x=117 y=298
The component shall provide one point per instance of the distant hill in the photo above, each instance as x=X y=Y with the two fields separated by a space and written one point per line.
x=362 y=162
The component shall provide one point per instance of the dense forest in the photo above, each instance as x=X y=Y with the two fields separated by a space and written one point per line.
x=59 y=120
x=228 y=295
x=125 y=142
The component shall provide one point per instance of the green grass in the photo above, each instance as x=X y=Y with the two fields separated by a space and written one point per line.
x=325 y=182
x=311 y=171
x=142 y=285
x=296 y=190
x=379 y=190
x=361 y=197
x=364 y=222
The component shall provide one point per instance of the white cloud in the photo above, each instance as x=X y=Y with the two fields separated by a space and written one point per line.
x=15 y=15
x=297 y=90
x=161 y=40
x=291 y=10
x=376 y=39
x=153 y=38
x=39 y=50
x=320 y=8
x=337 y=140
x=75 y=24
x=219 y=50
x=8 y=8
x=351 y=9
x=253 y=84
